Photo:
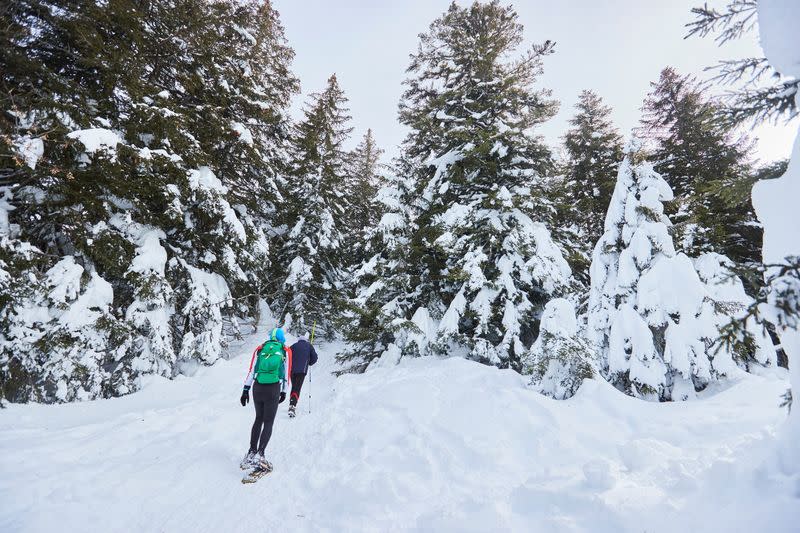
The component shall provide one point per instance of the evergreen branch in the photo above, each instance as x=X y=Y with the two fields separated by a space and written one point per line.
x=738 y=18
x=780 y=292
x=751 y=103
x=763 y=104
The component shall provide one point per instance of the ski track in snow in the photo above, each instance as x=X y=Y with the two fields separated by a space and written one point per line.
x=430 y=445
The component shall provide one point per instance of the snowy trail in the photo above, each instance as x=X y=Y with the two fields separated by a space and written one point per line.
x=431 y=445
x=149 y=461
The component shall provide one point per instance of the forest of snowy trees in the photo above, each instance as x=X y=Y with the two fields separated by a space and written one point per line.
x=155 y=193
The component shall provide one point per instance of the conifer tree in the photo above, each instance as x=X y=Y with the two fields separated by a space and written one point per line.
x=364 y=179
x=700 y=155
x=561 y=358
x=657 y=342
x=593 y=152
x=313 y=248
x=758 y=91
x=373 y=322
x=149 y=133
x=484 y=260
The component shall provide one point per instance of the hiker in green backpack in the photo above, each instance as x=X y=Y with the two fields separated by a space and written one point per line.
x=269 y=375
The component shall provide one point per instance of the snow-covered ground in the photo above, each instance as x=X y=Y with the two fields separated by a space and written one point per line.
x=430 y=445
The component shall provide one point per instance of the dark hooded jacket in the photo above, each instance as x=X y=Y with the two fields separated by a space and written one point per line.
x=303 y=355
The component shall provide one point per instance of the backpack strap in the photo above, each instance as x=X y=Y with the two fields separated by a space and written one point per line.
x=253 y=360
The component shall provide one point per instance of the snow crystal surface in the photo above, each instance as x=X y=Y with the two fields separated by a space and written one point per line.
x=209 y=286
x=5 y=207
x=65 y=279
x=96 y=297
x=670 y=287
x=558 y=317
x=449 y=322
x=299 y=273
x=390 y=222
x=205 y=178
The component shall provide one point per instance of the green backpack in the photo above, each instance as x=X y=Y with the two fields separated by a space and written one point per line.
x=270 y=363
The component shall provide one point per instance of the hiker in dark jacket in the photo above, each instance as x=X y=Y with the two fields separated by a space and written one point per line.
x=303 y=355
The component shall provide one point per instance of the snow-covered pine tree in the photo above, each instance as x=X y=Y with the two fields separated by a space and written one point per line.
x=652 y=317
x=702 y=158
x=313 y=248
x=561 y=358
x=228 y=105
x=364 y=179
x=382 y=290
x=593 y=151
x=135 y=154
x=485 y=260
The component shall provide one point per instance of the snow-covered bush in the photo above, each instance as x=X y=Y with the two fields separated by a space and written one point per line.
x=652 y=317
x=561 y=358
x=71 y=341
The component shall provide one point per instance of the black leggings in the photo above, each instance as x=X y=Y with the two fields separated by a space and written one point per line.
x=265 y=400
x=297 y=384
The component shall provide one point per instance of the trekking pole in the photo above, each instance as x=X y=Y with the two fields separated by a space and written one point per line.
x=313 y=329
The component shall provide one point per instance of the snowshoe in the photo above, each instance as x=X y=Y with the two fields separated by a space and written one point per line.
x=254 y=475
x=262 y=468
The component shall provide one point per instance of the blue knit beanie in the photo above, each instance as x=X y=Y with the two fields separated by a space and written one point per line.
x=277 y=335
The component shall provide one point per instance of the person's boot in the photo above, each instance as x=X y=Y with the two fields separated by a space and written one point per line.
x=262 y=463
x=249 y=460
x=292 y=411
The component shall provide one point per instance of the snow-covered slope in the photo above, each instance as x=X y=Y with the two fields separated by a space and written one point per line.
x=430 y=445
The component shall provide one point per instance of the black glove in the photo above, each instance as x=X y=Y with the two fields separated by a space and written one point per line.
x=283 y=397
x=245 y=397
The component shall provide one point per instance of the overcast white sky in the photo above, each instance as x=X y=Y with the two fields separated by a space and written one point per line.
x=614 y=47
